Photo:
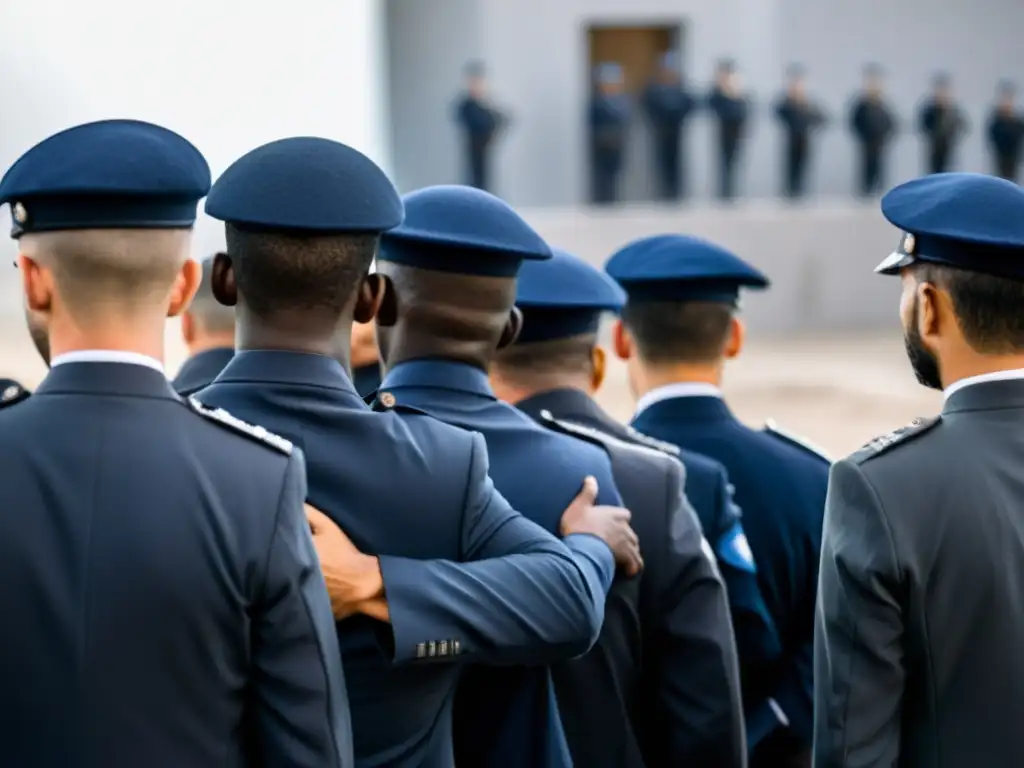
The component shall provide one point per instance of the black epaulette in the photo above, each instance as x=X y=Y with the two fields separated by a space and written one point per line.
x=572 y=429
x=900 y=436
x=652 y=442
x=773 y=429
x=386 y=401
x=222 y=417
x=12 y=392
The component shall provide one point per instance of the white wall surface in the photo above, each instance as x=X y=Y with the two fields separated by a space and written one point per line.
x=227 y=74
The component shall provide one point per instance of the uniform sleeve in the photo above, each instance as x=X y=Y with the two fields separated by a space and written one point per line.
x=527 y=598
x=757 y=639
x=301 y=707
x=695 y=663
x=858 y=657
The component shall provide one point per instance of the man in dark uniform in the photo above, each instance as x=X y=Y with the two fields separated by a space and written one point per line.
x=450 y=270
x=799 y=117
x=366 y=368
x=163 y=597
x=303 y=218
x=920 y=621
x=662 y=686
x=208 y=329
x=874 y=126
x=480 y=123
x=730 y=107
x=1006 y=134
x=942 y=124
x=669 y=105
x=677 y=331
x=608 y=118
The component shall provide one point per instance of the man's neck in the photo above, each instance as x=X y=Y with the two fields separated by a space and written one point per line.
x=123 y=335
x=469 y=353
x=327 y=335
x=647 y=378
x=979 y=365
x=212 y=341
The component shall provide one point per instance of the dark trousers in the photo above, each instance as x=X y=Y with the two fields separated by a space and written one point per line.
x=795 y=163
x=667 y=168
x=939 y=156
x=476 y=164
x=1007 y=166
x=727 y=156
x=871 y=172
x=604 y=177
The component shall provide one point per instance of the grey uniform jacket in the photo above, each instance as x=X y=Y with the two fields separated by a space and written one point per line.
x=920 y=625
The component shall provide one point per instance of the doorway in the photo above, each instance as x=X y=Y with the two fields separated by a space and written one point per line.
x=638 y=50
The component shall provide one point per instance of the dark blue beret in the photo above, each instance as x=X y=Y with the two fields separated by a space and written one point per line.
x=563 y=296
x=110 y=174
x=681 y=268
x=306 y=184
x=966 y=220
x=463 y=230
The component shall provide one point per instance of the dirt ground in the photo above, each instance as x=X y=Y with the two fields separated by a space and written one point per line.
x=836 y=391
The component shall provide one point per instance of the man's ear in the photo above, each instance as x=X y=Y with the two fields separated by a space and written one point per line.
x=185 y=286
x=222 y=280
x=387 y=303
x=37 y=283
x=622 y=340
x=371 y=294
x=598 y=367
x=513 y=326
x=737 y=336
x=929 y=314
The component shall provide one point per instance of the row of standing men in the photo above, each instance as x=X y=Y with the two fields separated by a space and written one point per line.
x=669 y=105
x=177 y=614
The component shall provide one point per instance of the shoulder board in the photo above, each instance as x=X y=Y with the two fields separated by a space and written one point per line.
x=12 y=392
x=652 y=442
x=575 y=430
x=386 y=401
x=899 y=436
x=224 y=418
x=773 y=429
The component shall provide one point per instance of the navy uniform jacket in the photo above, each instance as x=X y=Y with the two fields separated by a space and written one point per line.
x=608 y=118
x=872 y=122
x=921 y=616
x=1006 y=133
x=668 y=107
x=402 y=486
x=661 y=687
x=731 y=112
x=709 y=492
x=781 y=489
x=201 y=369
x=162 y=600
x=540 y=472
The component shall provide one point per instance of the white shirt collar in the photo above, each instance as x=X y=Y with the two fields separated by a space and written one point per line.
x=108 y=356
x=678 y=389
x=956 y=386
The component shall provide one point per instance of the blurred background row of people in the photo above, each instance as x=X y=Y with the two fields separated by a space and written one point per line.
x=668 y=103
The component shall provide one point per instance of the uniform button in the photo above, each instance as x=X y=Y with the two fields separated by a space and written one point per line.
x=10 y=393
x=386 y=399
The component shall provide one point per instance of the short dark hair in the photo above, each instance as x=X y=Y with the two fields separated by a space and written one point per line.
x=542 y=361
x=989 y=309
x=672 y=332
x=275 y=271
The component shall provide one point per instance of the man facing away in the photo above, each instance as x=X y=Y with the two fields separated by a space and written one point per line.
x=920 y=619
x=458 y=574
x=450 y=272
x=208 y=329
x=165 y=603
x=677 y=331
x=661 y=688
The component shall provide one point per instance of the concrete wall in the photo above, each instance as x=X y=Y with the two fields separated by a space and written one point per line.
x=537 y=58
x=227 y=74
x=820 y=260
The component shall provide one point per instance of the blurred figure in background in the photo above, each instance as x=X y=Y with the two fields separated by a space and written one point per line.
x=668 y=104
x=608 y=120
x=799 y=117
x=365 y=359
x=208 y=328
x=873 y=124
x=942 y=124
x=480 y=123
x=1006 y=133
x=729 y=106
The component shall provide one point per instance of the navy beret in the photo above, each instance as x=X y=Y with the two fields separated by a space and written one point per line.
x=966 y=220
x=463 y=230
x=306 y=184
x=112 y=174
x=563 y=296
x=681 y=268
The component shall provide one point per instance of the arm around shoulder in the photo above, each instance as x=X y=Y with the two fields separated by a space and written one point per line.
x=859 y=671
x=301 y=706
x=522 y=596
